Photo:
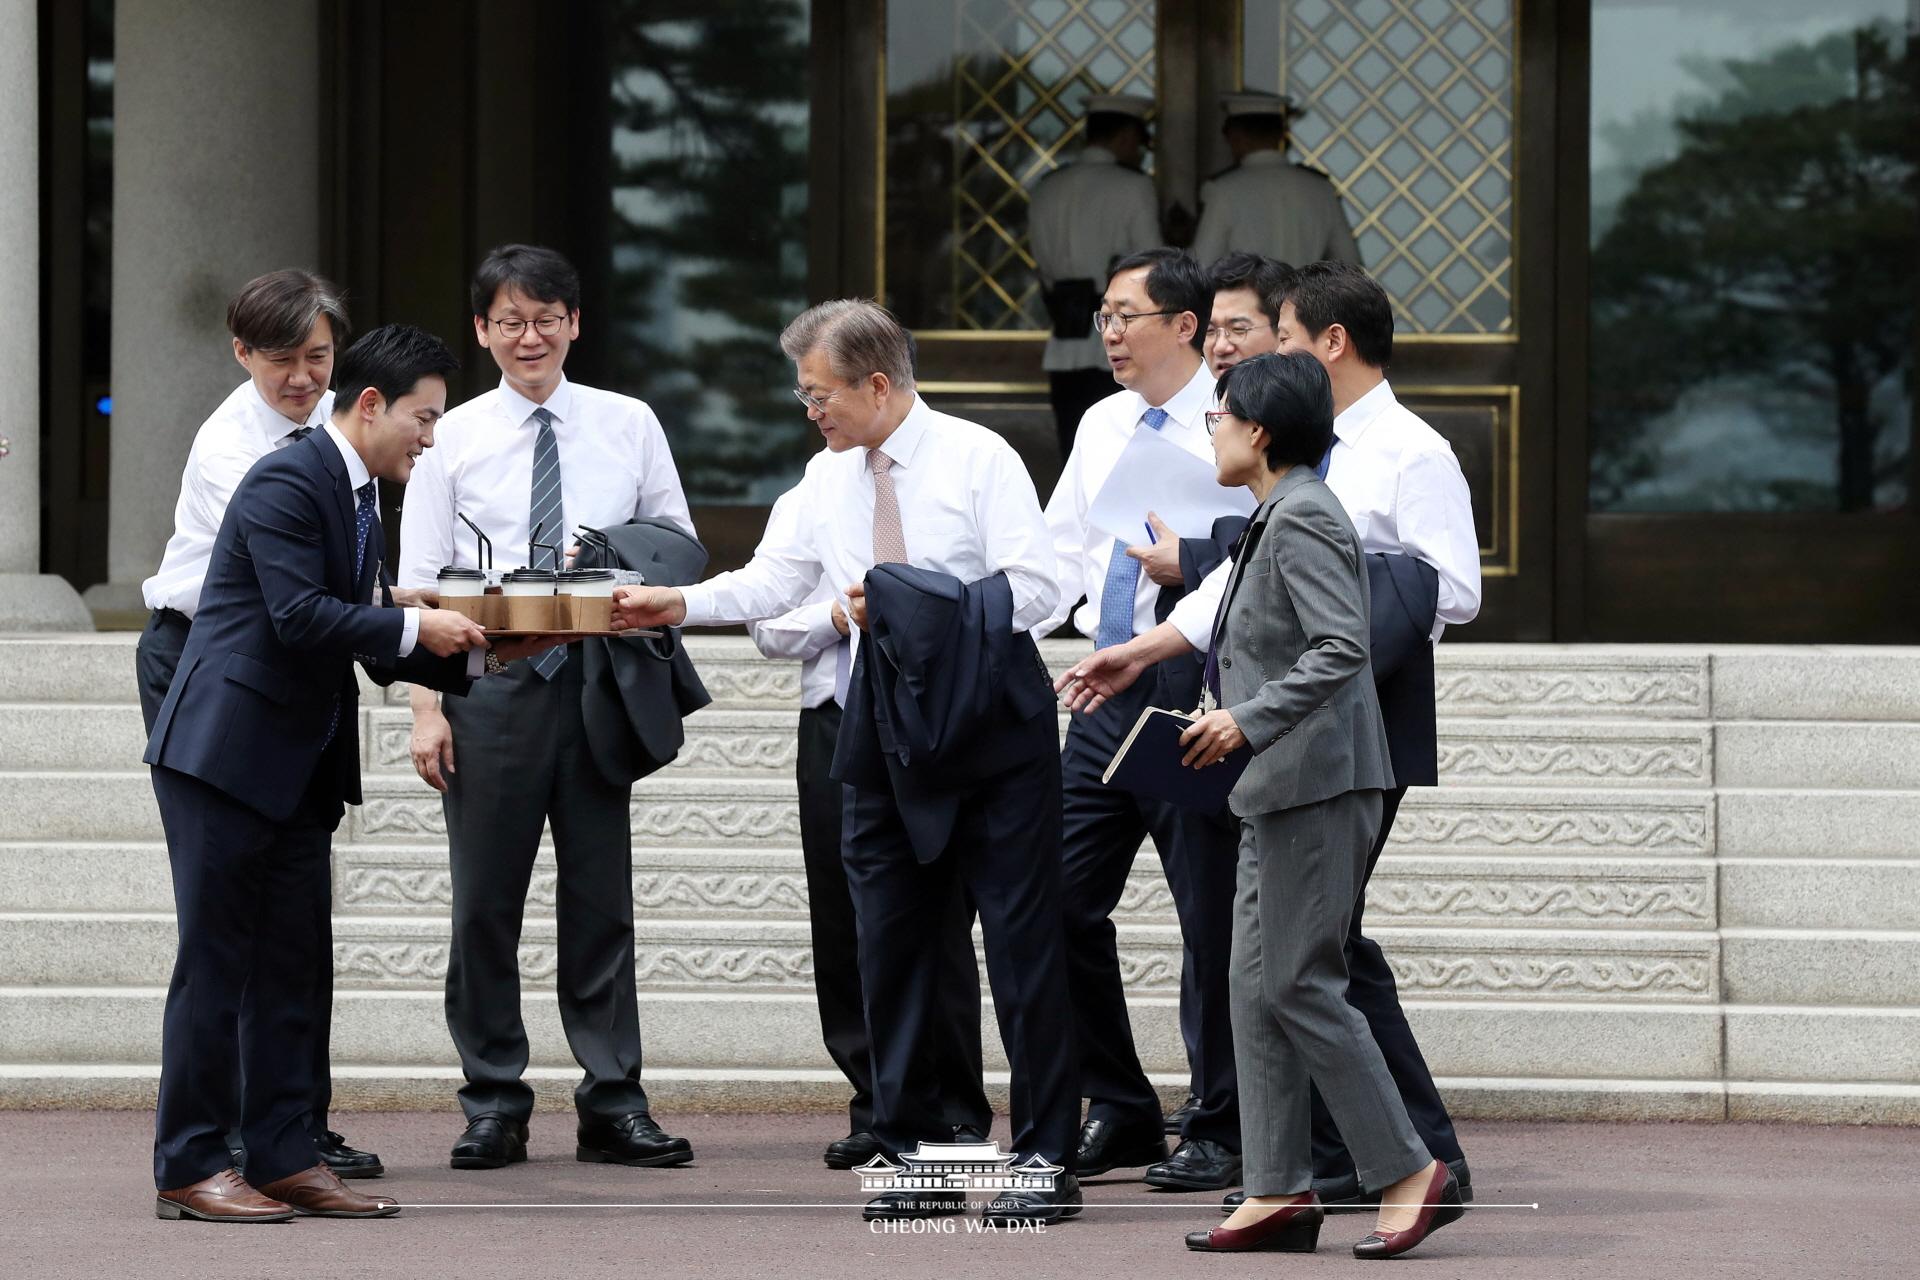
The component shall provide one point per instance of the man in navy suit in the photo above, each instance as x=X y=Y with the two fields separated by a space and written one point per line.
x=255 y=751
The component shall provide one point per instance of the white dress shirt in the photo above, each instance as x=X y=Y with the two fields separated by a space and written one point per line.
x=614 y=467
x=243 y=430
x=1082 y=551
x=358 y=475
x=1266 y=204
x=1084 y=215
x=1404 y=491
x=806 y=634
x=967 y=508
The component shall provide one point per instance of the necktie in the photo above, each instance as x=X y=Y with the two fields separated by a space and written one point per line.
x=296 y=435
x=1123 y=578
x=366 y=510
x=1326 y=461
x=544 y=513
x=889 y=542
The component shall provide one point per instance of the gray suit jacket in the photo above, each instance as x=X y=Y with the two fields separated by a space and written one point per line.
x=1294 y=666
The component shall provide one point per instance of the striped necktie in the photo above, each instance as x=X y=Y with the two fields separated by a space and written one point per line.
x=1123 y=578
x=544 y=512
x=366 y=510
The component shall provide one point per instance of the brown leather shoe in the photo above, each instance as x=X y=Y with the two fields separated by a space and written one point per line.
x=319 y=1193
x=225 y=1197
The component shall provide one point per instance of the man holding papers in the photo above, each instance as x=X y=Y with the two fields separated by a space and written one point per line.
x=1149 y=438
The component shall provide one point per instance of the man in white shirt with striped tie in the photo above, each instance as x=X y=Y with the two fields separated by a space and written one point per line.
x=536 y=452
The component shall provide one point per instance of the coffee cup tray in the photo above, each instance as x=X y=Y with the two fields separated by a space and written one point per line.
x=511 y=633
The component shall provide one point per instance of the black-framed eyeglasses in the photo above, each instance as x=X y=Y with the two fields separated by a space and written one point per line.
x=1118 y=320
x=1214 y=418
x=816 y=403
x=1238 y=332
x=513 y=326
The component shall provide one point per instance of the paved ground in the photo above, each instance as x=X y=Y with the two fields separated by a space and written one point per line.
x=1644 y=1202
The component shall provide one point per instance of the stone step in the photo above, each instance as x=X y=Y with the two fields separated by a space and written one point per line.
x=389 y=953
x=1821 y=966
x=1770 y=1042
x=1775 y=823
x=1811 y=753
x=65 y=805
x=90 y=667
x=72 y=736
x=1790 y=893
x=84 y=876
x=1816 y=682
x=775 y=1030
x=1591 y=682
x=1596 y=753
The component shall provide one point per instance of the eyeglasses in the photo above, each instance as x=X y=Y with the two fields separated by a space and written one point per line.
x=513 y=326
x=1117 y=320
x=1238 y=332
x=816 y=403
x=1213 y=417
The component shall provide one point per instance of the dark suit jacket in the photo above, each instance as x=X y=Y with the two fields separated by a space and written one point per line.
x=1403 y=592
x=940 y=692
x=270 y=657
x=637 y=689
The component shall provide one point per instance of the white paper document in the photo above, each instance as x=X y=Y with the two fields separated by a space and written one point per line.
x=1155 y=474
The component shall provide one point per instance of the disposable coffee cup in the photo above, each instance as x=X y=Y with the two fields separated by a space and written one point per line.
x=529 y=594
x=463 y=591
x=493 y=610
x=591 y=599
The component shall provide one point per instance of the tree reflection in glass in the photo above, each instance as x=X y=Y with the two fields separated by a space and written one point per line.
x=1754 y=289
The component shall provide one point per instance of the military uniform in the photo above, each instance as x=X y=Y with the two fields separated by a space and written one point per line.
x=1270 y=206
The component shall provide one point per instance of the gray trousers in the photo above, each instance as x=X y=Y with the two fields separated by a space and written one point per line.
x=1301 y=872
x=520 y=759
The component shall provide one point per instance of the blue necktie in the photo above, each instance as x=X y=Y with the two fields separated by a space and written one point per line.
x=1123 y=577
x=1326 y=460
x=544 y=513
x=365 y=512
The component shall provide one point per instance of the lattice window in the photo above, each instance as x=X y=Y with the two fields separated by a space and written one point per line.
x=1023 y=72
x=1411 y=113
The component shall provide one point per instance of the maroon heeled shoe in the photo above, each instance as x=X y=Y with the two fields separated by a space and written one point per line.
x=1294 y=1228
x=1439 y=1205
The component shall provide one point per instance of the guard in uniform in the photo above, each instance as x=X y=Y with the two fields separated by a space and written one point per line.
x=1085 y=216
x=1265 y=204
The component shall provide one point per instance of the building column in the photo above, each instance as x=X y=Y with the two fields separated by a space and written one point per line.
x=216 y=178
x=29 y=599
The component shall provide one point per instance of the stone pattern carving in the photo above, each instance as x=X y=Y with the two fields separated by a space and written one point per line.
x=717 y=819
x=1600 y=760
x=755 y=682
x=725 y=749
x=1643 y=829
x=1571 y=901
x=1624 y=976
x=1672 y=689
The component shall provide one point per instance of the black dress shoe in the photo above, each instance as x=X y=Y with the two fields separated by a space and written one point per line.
x=1057 y=1205
x=1104 y=1146
x=631 y=1140
x=967 y=1133
x=1198 y=1164
x=896 y=1206
x=344 y=1160
x=490 y=1142
x=852 y=1150
x=1177 y=1118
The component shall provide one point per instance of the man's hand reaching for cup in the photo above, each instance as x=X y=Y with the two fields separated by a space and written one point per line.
x=638 y=607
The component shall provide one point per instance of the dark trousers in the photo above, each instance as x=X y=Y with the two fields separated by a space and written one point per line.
x=156 y=658
x=955 y=1036
x=521 y=760
x=250 y=897
x=1073 y=392
x=1371 y=990
x=1005 y=851
x=1103 y=830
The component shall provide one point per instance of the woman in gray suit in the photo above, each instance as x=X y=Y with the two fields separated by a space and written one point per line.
x=1292 y=682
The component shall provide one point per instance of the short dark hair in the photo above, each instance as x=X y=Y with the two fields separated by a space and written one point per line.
x=1267 y=130
x=1176 y=282
x=1328 y=293
x=1265 y=276
x=1103 y=126
x=1288 y=393
x=538 y=272
x=276 y=311
x=391 y=359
